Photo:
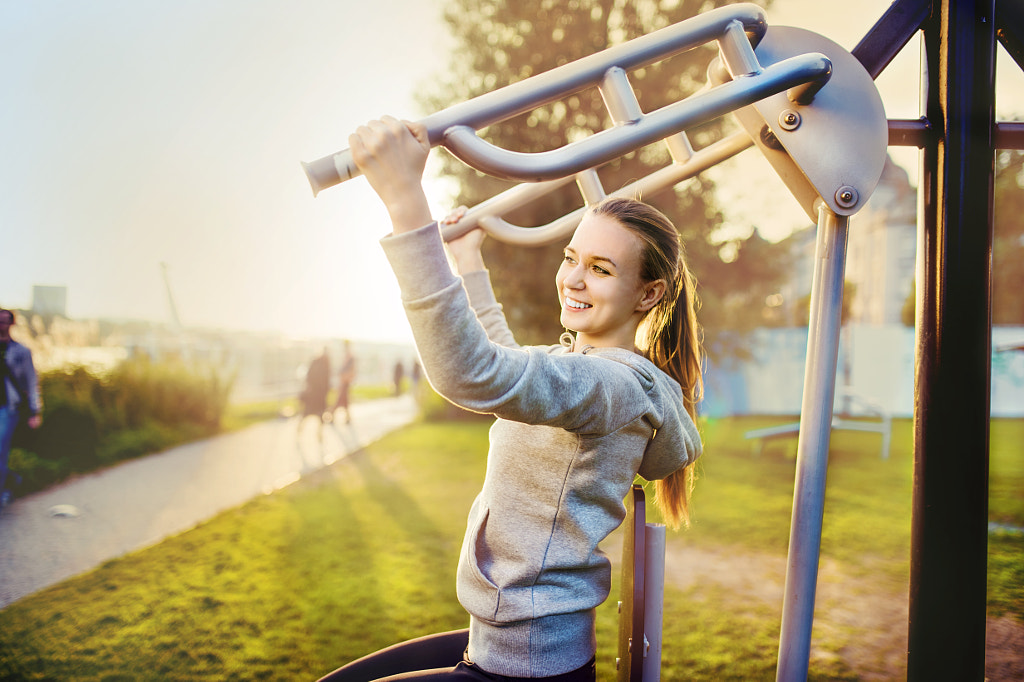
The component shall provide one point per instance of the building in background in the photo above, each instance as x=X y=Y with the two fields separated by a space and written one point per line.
x=50 y=300
x=880 y=258
x=880 y=255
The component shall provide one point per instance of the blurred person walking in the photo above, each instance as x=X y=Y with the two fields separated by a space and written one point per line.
x=346 y=375
x=399 y=377
x=19 y=396
x=414 y=376
x=314 y=393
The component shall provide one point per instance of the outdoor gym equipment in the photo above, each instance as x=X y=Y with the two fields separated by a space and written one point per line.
x=813 y=111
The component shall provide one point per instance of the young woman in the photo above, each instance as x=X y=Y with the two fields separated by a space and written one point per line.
x=576 y=422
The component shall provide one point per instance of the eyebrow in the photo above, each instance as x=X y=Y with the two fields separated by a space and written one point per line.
x=605 y=259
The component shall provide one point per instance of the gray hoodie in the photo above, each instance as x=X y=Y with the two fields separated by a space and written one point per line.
x=572 y=431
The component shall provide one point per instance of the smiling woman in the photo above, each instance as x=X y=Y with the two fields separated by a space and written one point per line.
x=576 y=421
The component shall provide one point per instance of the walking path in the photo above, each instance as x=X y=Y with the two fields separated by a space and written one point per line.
x=73 y=527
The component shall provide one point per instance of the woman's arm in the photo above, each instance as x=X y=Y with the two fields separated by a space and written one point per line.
x=462 y=363
x=469 y=263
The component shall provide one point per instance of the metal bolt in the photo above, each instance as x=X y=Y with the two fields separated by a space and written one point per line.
x=847 y=196
x=789 y=119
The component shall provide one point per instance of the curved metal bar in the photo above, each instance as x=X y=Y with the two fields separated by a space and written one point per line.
x=488 y=214
x=612 y=143
x=564 y=80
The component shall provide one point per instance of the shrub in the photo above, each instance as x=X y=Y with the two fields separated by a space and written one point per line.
x=169 y=394
x=130 y=443
x=71 y=433
x=32 y=472
x=140 y=407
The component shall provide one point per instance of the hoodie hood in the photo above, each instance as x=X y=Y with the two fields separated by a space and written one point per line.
x=676 y=441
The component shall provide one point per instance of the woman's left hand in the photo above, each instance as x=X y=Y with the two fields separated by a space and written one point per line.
x=465 y=250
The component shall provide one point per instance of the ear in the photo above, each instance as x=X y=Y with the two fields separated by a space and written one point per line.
x=653 y=293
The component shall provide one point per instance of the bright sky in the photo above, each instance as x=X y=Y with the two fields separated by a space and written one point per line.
x=135 y=132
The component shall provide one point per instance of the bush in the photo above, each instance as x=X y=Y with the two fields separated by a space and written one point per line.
x=34 y=472
x=130 y=443
x=71 y=433
x=140 y=407
x=168 y=394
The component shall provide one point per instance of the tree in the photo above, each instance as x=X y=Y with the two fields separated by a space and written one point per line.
x=1007 y=244
x=803 y=308
x=498 y=43
x=1008 y=240
x=908 y=313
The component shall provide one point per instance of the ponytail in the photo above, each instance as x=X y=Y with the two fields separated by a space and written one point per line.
x=669 y=334
x=676 y=349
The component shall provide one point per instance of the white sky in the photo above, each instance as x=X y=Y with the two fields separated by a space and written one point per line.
x=135 y=132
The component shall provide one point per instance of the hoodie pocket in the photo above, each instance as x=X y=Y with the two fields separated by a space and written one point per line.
x=476 y=591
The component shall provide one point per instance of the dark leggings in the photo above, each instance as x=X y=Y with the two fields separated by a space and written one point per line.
x=438 y=658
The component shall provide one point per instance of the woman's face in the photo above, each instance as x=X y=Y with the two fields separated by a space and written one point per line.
x=599 y=286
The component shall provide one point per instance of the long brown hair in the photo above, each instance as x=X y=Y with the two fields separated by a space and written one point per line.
x=669 y=335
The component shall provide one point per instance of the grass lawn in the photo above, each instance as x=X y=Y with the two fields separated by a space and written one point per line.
x=239 y=415
x=363 y=554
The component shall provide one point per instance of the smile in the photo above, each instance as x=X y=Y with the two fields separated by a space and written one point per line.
x=576 y=305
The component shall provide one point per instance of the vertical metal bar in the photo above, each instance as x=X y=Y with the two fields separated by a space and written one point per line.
x=954 y=339
x=812 y=446
x=589 y=184
x=654 y=599
x=679 y=148
x=619 y=98
x=737 y=52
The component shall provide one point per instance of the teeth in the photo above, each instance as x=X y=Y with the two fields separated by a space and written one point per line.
x=578 y=305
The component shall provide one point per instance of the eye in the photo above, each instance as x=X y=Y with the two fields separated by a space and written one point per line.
x=568 y=259
x=601 y=271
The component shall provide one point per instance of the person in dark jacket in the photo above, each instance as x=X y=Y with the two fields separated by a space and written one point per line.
x=19 y=397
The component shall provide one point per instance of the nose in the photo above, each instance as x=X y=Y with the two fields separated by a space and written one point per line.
x=574 y=277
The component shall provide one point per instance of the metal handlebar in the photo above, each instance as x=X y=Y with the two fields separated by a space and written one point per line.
x=804 y=101
x=612 y=143
x=737 y=28
x=487 y=214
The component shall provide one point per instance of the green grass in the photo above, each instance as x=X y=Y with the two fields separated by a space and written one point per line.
x=1006 y=467
x=747 y=499
x=363 y=554
x=240 y=415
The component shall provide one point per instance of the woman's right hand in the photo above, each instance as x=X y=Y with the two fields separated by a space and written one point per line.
x=392 y=154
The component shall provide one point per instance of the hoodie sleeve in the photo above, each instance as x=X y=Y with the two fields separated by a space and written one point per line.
x=487 y=309
x=531 y=385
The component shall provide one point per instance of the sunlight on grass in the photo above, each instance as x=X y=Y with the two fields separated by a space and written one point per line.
x=363 y=554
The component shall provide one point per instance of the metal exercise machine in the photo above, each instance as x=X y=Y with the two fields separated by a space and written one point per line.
x=805 y=102
x=812 y=110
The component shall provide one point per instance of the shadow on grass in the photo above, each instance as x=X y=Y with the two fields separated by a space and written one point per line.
x=392 y=576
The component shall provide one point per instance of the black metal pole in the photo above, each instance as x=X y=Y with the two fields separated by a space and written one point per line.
x=951 y=417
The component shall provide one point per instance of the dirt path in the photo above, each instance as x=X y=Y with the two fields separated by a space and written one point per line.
x=871 y=614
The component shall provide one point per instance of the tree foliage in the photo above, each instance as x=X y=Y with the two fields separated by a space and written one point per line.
x=497 y=43
x=1007 y=244
x=1008 y=241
